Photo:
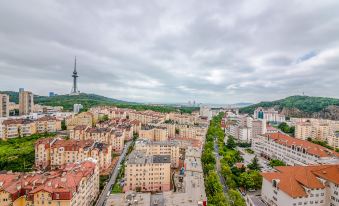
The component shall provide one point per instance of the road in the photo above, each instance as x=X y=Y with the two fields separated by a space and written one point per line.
x=108 y=187
x=222 y=179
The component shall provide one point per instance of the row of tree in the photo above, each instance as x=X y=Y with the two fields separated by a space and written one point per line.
x=213 y=186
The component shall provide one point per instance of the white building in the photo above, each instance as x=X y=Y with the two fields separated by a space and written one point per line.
x=268 y=114
x=293 y=151
x=302 y=185
x=205 y=111
x=76 y=108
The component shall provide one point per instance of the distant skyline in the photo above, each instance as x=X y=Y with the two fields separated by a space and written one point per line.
x=218 y=52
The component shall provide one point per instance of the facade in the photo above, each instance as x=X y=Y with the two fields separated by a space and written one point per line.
x=77 y=108
x=48 y=124
x=302 y=185
x=18 y=128
x=158 y=133
x=54 y=153
x=72 y=185
x=160 y=148
x=85 y=118
x=146 y=117
x=258 y=127
x=4 y=105
x=268 y=114
x=26 y=102
x=293 y=151
x=147 y=172
x=113 y=137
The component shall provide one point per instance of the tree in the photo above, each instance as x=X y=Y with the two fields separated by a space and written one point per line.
x=235 y=198
x=231 y=144
x=63 y=125
x=275 y=163
x=254 y=164
x=250 y=180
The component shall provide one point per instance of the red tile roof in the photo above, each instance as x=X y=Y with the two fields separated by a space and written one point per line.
x=310 y=147
x=293 y=179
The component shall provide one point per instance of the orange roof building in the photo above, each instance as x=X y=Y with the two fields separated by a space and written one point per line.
x=302 y=185
x=74 y=184
x=293 y=151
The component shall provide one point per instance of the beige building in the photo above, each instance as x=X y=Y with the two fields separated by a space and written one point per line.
x=48 y=124
x=160 y=148
x=72 y=185
x=147 y=172
x=18 y=128
x=4 y=105
x=26 y=102
x=302 y=185
x=148 y=116
x=84 y=118
x=54 y=153
x=113 y=137
x=158 y=133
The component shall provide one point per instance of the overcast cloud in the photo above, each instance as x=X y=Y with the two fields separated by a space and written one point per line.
x=172 y=51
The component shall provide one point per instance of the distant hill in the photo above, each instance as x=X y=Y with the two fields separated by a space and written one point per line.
x=301 y=106
x=89 y=100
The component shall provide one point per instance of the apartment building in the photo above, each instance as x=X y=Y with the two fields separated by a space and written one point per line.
x=146 y=117
x=171 y=148
x=18 y=128
x=73 y=185
x=302 y=185
x=84 y=118
x=191 y=132
x=293 y=151
x=268 y=114
x=113 y=137
x=26 y=102
x=147 y=172
x=43 y=109
x=54 y=153
x=258 y=127
x=182 y=118
x=4 y=105
x=154 y=133
x=48 y=124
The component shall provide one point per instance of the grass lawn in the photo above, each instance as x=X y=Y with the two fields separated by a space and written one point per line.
x=17 y=154
x=116 y=188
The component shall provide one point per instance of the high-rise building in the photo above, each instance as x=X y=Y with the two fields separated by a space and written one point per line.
x=26 y=102
x=4 y=105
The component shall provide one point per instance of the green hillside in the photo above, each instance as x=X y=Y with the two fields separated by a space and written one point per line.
x=305 y=104
x=90 y=100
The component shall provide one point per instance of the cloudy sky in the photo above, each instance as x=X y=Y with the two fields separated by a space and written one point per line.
x=216 y=51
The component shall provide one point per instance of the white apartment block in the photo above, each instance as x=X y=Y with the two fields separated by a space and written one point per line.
x=268 y=114
x=293 y=151
x=302 y=186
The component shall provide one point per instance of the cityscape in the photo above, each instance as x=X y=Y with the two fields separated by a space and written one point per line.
x=93 y=130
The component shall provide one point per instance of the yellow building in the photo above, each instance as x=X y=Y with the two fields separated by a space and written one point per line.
x=73 y=185
x=113 y=137
x=147 y=172
x=171 y=148
x=158 y=133
x=85 y=118
x=48 y=124
x=54 y=153
x=18 y=127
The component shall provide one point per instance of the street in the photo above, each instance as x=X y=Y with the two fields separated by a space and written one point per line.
x=107 y=189
x=222 y=179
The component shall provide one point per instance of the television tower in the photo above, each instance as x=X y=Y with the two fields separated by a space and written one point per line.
x=75 y=90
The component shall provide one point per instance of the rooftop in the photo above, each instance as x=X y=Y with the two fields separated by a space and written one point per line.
x=294 y=179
